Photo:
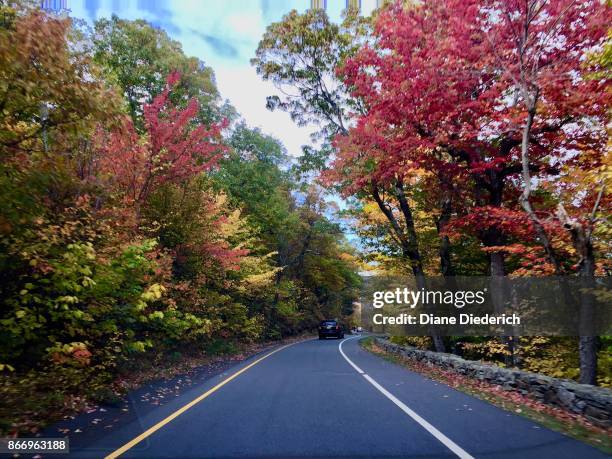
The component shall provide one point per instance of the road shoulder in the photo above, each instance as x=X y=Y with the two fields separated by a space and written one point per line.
x=480 y=427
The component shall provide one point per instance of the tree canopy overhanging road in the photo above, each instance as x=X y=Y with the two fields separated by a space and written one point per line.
x=151 y=230
x=329 y=399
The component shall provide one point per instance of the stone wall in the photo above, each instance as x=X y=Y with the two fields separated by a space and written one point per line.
x=595 y=403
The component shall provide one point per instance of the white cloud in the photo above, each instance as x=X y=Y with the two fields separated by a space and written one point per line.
x=224 y=34
x=248 y=92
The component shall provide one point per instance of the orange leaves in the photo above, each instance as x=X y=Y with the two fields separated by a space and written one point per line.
x=45 y=84
x=75 y=354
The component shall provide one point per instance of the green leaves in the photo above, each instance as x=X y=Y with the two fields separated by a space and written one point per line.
x=138 y=57
x=300 y=55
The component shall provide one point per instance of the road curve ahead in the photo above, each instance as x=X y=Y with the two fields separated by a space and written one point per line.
x=317 y=399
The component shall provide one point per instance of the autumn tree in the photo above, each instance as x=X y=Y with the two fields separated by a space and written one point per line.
x=319 y=48
x=538 y=50
x=138 y=57
x=402 y=69
x=171 y=151
x=42 y=92
x=323 y=261
x=301 y=55
x=252 y=175
x=133 y=230
x=303 y=244
x=446 y=86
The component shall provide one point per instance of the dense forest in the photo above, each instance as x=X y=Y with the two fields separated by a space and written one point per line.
x=470 y=138
x=142 y=218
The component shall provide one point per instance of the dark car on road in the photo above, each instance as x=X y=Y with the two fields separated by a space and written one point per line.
x=330 y=328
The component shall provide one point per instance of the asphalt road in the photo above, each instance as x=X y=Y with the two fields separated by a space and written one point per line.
x=310 y=400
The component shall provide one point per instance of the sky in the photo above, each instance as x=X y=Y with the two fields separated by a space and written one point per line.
x=224 y=34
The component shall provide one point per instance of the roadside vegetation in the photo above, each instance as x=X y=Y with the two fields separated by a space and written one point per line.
x=142 y=222
x=469 y=138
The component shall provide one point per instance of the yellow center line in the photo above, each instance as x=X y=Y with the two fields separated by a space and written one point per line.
x=181 y=410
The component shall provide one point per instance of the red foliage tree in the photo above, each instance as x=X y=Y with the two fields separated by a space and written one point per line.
x=538 y=50
x=440 y=84
x=493 y=92
x=172 y=150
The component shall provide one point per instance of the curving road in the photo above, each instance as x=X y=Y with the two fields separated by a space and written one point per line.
x=320 y=399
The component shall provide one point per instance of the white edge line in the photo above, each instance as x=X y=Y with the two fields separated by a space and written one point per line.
x=454 y=447
x=359 y=370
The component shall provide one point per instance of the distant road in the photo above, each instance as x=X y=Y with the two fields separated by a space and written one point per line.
x=317 y=398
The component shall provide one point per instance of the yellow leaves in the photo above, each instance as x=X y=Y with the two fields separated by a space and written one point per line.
x=232 y=224
x=55 y=83
x=90 y=252
x=416 y=175
x=372 y=213
x=220 y=200
x=491 y=350
x=88 y=282
x=156 y=315
x=258 y=272
x=138 y=346
x=261 y=279
x=68 y=299
x=6 y=366
x=603 y=232
x=552 y=356
x=154 y=292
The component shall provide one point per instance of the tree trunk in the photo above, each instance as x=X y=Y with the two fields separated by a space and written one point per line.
x=497 y=271
x=302 y=255
x=588 y=341
x=496 y=264
x=446 y=266
x=524 y=199
x=588 y=359
x=587 y=344
x=410 y=244
x=581 y=239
